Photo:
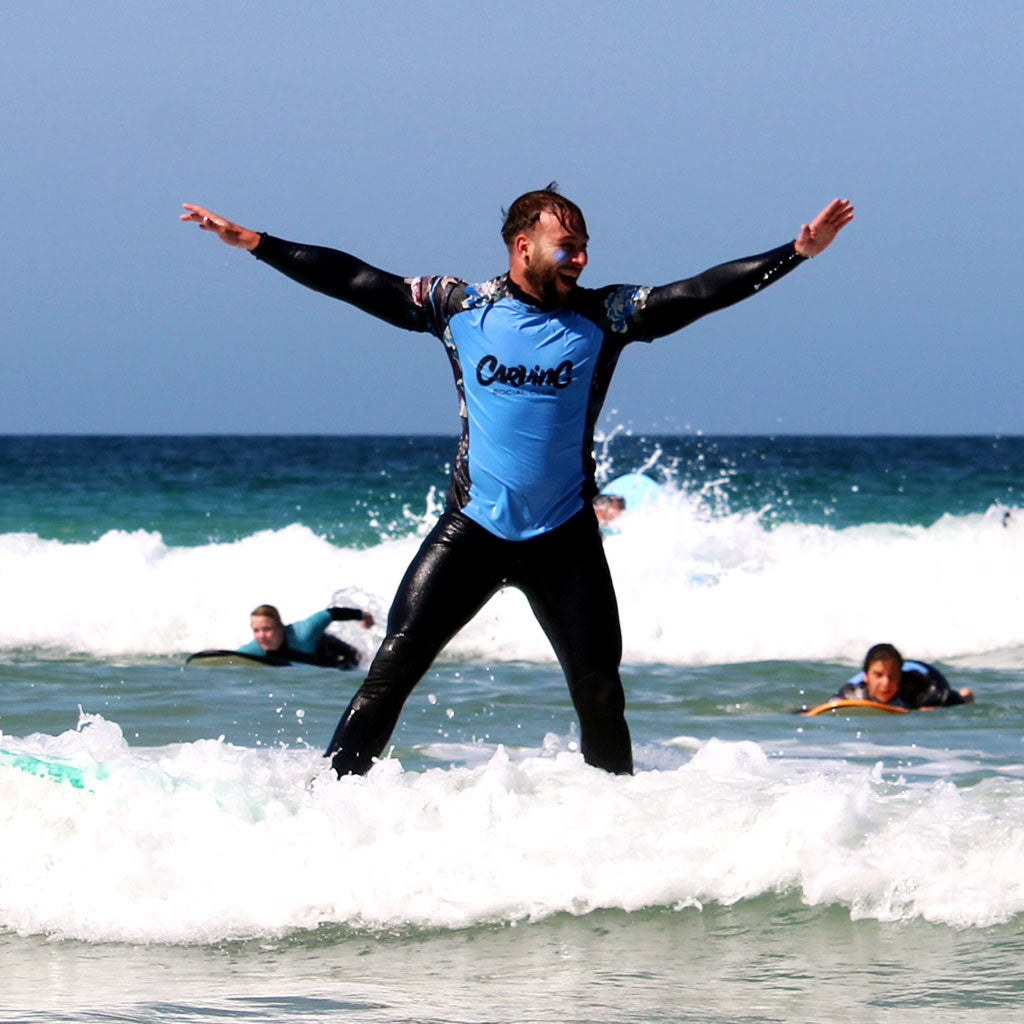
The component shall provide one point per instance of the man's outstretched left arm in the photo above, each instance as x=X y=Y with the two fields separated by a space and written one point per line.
x=673 y=306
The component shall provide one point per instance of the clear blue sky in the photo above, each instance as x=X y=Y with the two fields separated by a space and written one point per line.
x=689 y=132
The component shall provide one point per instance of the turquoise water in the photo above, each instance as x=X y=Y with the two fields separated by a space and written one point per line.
x=759 y=865
x=197 y=489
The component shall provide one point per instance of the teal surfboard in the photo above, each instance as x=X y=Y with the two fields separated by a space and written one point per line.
x=635 y=488
x=47 y=768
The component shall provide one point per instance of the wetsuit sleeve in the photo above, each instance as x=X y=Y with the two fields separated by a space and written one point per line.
x=341 y=276
x=931 y=688
x=345 y=614
x=673 y=306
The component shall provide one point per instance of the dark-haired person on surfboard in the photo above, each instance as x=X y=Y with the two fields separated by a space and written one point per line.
x=307 y=641
x=532 y=355
x=608 y=507
x=888 y=678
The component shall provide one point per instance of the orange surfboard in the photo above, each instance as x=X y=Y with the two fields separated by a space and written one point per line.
x=842 y=705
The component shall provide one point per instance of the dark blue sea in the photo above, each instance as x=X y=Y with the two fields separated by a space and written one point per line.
x=172 y=849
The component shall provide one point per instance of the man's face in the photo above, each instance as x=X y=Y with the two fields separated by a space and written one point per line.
x=266 y=632
x=883 y=680
x=554 y=257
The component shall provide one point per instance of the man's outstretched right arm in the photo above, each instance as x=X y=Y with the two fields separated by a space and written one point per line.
x=330 y=271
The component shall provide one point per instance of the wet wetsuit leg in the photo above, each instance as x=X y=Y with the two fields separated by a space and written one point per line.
x=565 y=578
x=456 y=571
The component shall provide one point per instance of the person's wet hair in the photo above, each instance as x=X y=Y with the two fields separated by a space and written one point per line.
x=524 y=213
x=268 y=611
x=882 y=652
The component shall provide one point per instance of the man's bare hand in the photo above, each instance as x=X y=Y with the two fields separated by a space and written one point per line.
x=226 y=230
x=817 y=236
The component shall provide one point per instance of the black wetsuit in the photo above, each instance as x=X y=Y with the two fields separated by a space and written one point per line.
x=531 y=381
x=921 y=686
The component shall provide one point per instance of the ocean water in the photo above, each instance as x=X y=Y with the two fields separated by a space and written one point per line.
x=172 y=848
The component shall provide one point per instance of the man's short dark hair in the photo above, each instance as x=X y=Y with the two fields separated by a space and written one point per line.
x=524 y=213
x=882 y=652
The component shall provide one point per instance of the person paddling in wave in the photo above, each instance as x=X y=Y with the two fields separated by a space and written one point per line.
x=307 y=641
x=608 y=507
x=887 y=678
x=532 y=355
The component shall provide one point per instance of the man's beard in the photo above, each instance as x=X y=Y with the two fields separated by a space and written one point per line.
x=543 y=282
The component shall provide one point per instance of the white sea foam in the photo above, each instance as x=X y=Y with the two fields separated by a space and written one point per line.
x=694 y=588
x=206 y=841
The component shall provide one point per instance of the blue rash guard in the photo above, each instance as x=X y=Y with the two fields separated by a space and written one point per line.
x=531 y=381
x=527 y=381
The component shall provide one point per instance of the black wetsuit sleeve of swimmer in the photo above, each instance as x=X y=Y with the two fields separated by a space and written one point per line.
x=673 y=306
x=928 y=689
x=341 y=276
x=345 y=614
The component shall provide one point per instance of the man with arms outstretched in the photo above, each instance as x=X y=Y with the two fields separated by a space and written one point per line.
x=533 y=354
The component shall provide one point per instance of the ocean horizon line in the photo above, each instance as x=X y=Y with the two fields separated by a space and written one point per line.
x=429 y=435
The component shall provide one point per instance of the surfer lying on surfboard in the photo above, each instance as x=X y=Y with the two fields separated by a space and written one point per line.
x=889 y=681
x=305 y=641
